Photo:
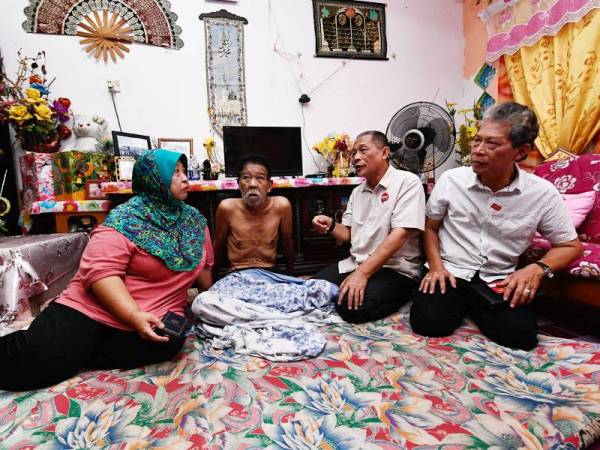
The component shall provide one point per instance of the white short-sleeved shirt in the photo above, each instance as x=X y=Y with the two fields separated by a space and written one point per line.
x=398 y=201
x=487 y=231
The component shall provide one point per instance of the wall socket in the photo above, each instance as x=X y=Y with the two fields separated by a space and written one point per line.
x=114 y=86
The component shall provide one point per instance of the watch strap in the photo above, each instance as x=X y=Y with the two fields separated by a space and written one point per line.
x=331 y=227
x=546 y=268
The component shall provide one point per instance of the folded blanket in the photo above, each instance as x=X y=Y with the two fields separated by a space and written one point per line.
x=264 y=314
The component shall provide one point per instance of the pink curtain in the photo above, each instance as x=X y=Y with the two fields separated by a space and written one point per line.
x=512 y=24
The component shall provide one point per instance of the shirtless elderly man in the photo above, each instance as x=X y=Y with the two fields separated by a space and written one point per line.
x=247 y=228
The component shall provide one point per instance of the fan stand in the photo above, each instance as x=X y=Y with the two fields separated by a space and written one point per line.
x=105 y=36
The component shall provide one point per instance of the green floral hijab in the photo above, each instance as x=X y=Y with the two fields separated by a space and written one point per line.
x=156 y=221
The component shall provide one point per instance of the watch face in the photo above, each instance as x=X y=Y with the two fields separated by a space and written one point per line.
x=547 y=270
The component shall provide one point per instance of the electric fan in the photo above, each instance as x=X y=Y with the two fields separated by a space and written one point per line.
x=423 y=134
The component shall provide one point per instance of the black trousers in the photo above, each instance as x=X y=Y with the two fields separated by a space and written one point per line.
x=385 y=293
x=61 y=341
x=438 y=315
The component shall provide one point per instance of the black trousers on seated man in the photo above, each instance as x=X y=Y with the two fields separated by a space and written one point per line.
x=386 y=292
x=438 y=315
x=61 y=341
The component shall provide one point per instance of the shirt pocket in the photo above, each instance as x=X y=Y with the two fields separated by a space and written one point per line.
x=515 y=226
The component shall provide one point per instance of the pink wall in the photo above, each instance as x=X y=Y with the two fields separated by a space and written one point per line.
x=475 y=43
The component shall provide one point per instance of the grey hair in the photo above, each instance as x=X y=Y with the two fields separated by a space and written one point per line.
x=524 y=125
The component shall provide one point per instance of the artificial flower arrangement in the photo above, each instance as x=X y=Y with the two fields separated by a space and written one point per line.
x=211 y=167
x=335 y=151
x=466 y=131
x=39 y=124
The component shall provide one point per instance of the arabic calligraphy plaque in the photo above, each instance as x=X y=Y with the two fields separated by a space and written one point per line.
x=225 y=71
x=348 y=29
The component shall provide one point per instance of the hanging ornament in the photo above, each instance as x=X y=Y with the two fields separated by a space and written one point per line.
x=105 y=36
x=107 y=26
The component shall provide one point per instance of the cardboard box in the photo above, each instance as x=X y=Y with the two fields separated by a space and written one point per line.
x=72 y=168
x=37 y=176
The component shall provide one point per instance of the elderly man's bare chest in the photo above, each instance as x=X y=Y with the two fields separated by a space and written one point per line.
x=256 y=228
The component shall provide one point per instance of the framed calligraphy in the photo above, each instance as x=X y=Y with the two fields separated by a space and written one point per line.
x=348 y=29
x=225 y=72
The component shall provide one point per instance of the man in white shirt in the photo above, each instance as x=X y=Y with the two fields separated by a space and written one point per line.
x=383 y=222
x=480 y=219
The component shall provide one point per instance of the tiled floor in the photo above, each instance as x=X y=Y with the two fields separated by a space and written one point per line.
x=568 y=319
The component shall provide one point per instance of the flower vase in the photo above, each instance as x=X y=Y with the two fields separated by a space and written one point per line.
x=329 y=170
x=31 y=145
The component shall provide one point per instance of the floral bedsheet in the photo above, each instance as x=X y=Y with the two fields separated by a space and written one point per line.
x=376 y=386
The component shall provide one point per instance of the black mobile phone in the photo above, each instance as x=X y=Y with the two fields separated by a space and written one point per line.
x=492 y=298
x=175 y=325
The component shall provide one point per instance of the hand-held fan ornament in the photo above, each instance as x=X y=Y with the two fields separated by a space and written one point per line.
x=105 y=36
x=106 y=26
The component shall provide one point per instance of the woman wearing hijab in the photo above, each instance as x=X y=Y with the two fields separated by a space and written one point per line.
x=137 y=267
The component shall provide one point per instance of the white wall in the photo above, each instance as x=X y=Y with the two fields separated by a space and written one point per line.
x=164 y=91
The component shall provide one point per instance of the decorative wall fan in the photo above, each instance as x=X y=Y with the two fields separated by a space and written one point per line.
x=107 y=26
x=105 y=36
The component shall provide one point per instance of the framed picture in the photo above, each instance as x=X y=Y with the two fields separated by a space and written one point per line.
x=93 y=190
x=183 y=145
x=349 y=29
x=124 y=168
x=129 y=144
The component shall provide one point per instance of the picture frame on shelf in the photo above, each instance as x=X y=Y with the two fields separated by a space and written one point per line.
x=93 y=189
x=130 y=144
x=124 y=168
x=183 y=145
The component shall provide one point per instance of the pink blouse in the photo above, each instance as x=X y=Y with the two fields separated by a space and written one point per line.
x=156 y=288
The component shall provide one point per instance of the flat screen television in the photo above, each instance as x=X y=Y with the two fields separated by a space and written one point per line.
x=282 y=146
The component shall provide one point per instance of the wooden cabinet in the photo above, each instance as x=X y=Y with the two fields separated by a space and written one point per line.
x=313 y=251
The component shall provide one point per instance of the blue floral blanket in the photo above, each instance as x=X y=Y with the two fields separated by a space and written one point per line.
x=265 y=314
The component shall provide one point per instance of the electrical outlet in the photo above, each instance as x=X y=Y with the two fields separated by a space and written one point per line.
x=113 y=85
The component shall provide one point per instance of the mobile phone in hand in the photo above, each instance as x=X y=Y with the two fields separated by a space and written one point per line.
x=175 y=325
x=492 y=294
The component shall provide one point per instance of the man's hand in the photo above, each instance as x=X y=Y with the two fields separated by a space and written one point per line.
x=321 y=223
x=434 y=277
x=520 y=286
x=353 y=287
x=144 y=323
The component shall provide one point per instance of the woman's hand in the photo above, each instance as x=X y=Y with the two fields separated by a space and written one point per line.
x=145 y=323
x=434 y=277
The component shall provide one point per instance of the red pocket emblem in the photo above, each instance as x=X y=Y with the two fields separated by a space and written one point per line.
x=384 y=197
x=496 y=206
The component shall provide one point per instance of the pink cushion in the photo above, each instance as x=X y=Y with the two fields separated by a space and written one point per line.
x=575 y=176
x=579 y=205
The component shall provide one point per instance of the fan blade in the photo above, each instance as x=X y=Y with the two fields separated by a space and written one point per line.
x=441 y=139
x=405 y=159
x=405 y=119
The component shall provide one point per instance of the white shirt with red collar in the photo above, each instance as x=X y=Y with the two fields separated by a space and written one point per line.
x=398 y=201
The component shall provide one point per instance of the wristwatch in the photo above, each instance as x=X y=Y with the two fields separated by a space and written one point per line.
x=546 y=268
x=331 y=227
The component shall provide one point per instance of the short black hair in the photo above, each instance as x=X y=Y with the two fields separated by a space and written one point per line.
x=524 y=125
x=255 y=158
x=376 y=136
